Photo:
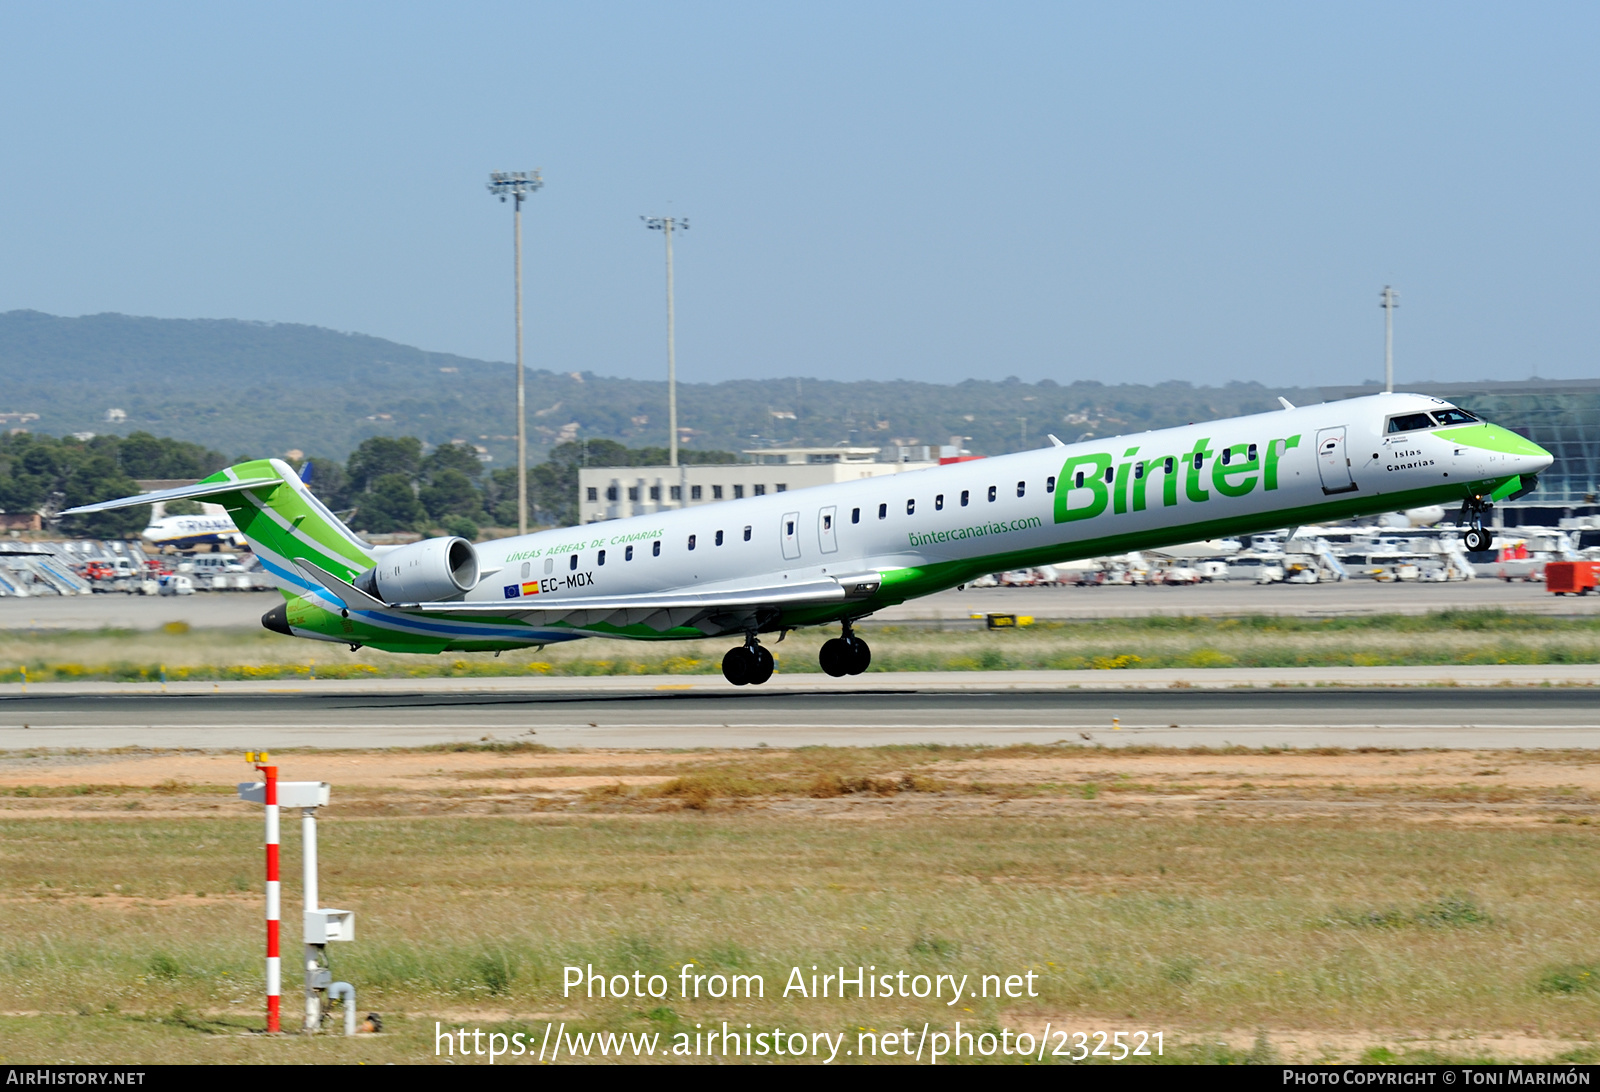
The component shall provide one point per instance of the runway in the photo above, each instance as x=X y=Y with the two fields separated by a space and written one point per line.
x=895 y=710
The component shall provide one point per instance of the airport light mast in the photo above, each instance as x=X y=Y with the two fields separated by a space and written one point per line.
x=518 y=185
x=1388 y=299
x=667 y=225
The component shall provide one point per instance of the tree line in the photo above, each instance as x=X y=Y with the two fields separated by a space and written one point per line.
x=387 y=485
x=390 y=485
x=45 y=474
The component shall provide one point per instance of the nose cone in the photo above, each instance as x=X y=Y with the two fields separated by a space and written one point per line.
x=1538 y=458
x=1527 y=457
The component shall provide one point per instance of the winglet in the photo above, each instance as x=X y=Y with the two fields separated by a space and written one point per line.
x=1285 y=402
x=1053 y=441
x=347 y=593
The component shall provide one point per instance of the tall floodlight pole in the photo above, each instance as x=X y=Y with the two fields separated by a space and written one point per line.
x=1388 y=299
x=667 y=225
x=518 y=185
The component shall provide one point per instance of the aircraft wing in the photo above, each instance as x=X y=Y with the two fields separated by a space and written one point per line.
x=721 y=611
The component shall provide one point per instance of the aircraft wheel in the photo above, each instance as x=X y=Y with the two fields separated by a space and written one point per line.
x=738 y=666
x=762 y=665
x=835 y=657
x=860 y=655
x=1477 y=540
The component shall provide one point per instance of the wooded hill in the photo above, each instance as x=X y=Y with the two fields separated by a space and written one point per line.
x=254 y=389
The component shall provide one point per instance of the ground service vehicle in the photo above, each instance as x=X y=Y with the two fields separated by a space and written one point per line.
x=1572 y=577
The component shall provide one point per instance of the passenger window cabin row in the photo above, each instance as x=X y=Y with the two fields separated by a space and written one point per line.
x=675 y=492
x=627 y=554
x=993 y=494
x=1167 y=465
x=966 y=499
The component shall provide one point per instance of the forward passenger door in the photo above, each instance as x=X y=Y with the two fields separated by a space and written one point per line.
x=1333 y=462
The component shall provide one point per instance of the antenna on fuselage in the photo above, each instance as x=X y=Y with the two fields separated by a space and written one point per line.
x=1285 y=403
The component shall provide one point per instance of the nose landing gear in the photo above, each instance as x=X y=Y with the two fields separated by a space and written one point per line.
x=1476 y=539
x=747 y=665
x=845 y=655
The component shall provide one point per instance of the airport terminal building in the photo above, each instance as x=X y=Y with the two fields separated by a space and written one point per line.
x=620 y=491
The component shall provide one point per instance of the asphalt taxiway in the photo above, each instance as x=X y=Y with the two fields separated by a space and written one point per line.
x=1505 y=708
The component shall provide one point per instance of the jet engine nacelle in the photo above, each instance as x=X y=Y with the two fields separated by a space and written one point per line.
x=423 y=572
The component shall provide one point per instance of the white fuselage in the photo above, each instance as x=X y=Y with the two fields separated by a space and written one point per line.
x=1036 y=507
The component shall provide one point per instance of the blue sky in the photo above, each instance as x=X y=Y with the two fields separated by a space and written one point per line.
x=934 y=191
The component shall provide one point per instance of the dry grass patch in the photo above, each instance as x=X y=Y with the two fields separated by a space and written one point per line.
x=1312 y=927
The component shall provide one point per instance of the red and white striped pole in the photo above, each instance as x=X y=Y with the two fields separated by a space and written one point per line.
x=274 y=972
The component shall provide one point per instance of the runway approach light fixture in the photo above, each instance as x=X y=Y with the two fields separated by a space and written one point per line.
x=518 y=185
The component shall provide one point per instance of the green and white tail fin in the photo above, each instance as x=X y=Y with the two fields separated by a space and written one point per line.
x=279 y=516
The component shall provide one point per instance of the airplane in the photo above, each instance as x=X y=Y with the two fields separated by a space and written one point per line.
x=187 y=532
x=837 y=553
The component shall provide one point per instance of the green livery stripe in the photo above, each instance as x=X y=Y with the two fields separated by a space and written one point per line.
x=281 y=520
x=1492 y=438
x=913 y=581
x=1506 y=488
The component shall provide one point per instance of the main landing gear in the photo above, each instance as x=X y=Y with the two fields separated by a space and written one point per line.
x=1476 y=539
x=846 y=655
x=747 y=665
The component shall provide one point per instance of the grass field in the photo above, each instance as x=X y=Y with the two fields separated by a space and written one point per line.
x=1250 y=905
x=1451 y=637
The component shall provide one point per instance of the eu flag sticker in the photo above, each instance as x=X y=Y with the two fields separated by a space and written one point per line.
x=511 y=591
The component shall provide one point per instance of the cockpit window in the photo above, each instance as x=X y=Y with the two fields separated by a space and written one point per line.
x=1454 y=417
x=1407 y=422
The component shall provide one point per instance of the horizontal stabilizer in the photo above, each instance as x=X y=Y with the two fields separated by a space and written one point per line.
x=185 y=492
x=347 y=593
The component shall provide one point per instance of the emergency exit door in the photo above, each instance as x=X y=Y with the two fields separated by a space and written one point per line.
x=1333 y=462
x=789 y=533
x=827 y=538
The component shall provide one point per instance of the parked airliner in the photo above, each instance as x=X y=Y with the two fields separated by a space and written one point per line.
x=837 y=553
x=187 y=532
